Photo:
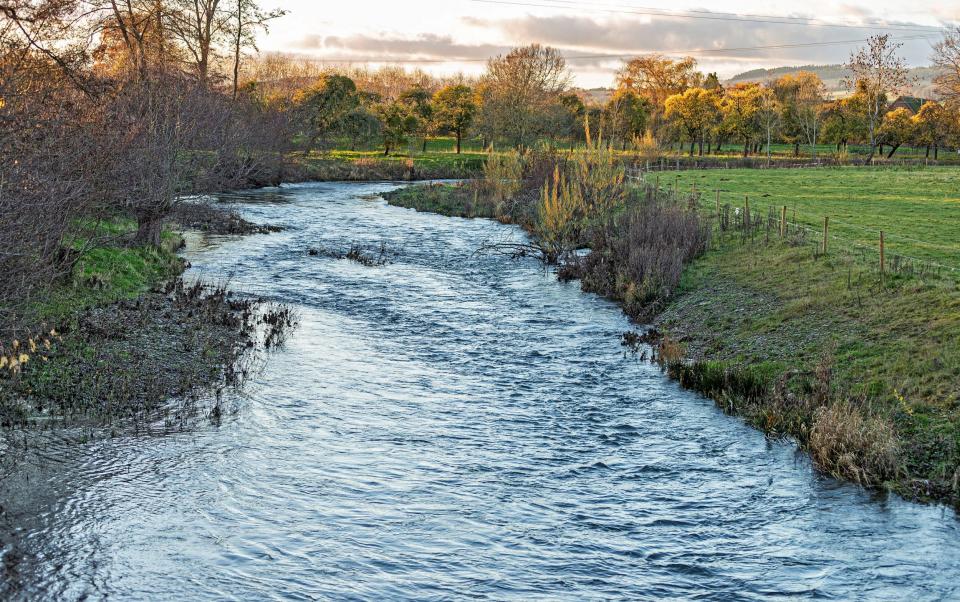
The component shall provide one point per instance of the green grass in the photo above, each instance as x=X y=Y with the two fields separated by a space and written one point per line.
x=758 y=311
x=917 y=208
x=110 y=271
x=779 y=306
x=430 y=158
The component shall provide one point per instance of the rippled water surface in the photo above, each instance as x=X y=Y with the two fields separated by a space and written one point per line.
x=452 y=425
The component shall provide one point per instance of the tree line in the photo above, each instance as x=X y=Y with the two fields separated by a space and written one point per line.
x=525 y=98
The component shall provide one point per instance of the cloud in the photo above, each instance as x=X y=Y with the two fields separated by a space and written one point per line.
x=424 y=46
x=596 y=45
x=713 y=38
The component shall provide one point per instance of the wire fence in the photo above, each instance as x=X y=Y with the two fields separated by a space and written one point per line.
x=768 y=222
x=676 y=163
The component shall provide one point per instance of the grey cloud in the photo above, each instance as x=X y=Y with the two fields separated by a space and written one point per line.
x=426 y=46
x=598 y=44
x=677 y=36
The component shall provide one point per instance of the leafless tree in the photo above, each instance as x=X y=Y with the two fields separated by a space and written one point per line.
x=245 y=18
x=946 y=58
x=200 y=25
x=877 y=70
x=518 y=89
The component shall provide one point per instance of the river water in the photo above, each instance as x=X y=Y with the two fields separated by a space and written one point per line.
x=453 y=425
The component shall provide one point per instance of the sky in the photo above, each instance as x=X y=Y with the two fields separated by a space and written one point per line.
x=729 y=37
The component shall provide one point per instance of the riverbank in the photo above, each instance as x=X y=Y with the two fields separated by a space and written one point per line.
x=347 y=166
x=859 y=371
x=123 y=342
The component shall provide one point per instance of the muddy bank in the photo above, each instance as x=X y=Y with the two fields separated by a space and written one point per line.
x=214 y=219
x=119 y=365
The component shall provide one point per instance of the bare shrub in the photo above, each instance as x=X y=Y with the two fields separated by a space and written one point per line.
x=849 y=445
x=44 y=182
x=638 y=256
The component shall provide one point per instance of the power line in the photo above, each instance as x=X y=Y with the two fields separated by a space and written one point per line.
x=798 y=20
x=706 y=15
x=692 y=52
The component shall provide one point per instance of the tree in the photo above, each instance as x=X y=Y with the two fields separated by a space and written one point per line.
x=361 y=126
x=518 y=90
x=933 y=125
x=712 y=83
x=694 y=111
x=897 y=129
x=740 y=108
x=801 y=98
x=844 y=120
x=420 y=101
x=135 y=37
x=876 y=70
x=245 y=19
x=768 y=115
x=656 y=77
x=625 y=115
x=199 y=25
x=566 y=116
x=323 y=107
x=946 y=57
x=397 y=122
x=454 y=110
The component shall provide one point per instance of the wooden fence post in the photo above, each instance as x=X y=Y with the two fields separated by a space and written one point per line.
x=718 y=203
x=658 y=183
x=746 y=210
x=783 y=222
x=826 y=233
x=882 y=258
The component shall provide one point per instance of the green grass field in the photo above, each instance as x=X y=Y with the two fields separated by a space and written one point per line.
x=917 y=208
x=775 y=306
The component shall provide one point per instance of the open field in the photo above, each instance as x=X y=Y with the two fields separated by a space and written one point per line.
x=778 y=312
x=775 y=312
x=917 y=208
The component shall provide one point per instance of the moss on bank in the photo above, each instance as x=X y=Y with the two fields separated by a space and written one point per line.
x=862 y=372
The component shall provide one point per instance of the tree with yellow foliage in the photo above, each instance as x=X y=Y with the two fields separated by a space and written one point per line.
x=695 y=111
x=897 y=129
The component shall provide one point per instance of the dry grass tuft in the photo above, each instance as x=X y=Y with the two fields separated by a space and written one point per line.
x=849 y=445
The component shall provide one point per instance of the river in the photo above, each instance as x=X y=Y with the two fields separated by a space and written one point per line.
x=454 y=425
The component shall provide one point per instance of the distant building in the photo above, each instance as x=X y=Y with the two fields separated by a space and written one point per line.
x=910 y=103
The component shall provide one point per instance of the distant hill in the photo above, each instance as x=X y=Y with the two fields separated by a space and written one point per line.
x=594 y=96
x=832 y=76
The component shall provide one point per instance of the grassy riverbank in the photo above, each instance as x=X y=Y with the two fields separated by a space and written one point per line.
x=359 y=166
x=863 y=371
x=114 y=341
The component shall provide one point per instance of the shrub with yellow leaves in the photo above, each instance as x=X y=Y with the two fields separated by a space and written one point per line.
x=19 y=354
x=558 y=226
